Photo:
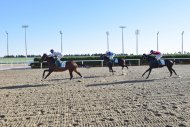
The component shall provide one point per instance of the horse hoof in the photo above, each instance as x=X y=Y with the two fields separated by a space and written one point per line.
x=178 y=76
x=123 y=73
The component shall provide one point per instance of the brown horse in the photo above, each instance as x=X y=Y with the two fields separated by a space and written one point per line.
x=70 y=65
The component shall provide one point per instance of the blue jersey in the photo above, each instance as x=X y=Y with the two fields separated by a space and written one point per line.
x=110 y=54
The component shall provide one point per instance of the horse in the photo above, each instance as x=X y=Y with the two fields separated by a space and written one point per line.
x=153 y=63
x=70 y=65
x=121 y=62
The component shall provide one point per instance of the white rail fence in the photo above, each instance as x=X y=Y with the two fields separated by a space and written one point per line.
x=101 y=61
x=7 y=65
x=25 y=64
x=177 y=59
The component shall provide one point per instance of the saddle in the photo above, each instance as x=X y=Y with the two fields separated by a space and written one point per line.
x=115 y=60
x=161 y=62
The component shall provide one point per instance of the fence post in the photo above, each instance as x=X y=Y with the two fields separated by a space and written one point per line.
x=102 y=63
x=41 y=65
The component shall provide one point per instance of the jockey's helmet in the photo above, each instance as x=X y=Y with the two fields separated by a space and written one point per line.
x=151 y=51
x=51 y=50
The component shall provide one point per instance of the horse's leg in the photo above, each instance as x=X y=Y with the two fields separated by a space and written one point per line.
x=126 y=64
x=145 y=72
x=113 y=72
x=48 y=74
x=149 y=72
x=173 y=71
x=122 y=67
x=170 y=70
x=110 y=69
x=75 y=70
x=71 y=74
x=44 y=73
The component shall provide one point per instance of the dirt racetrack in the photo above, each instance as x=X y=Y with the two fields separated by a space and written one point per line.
x=99 y=100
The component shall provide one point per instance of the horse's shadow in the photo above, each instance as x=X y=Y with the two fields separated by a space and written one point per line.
x=121 y=82
x=91 y=77
x=86 y=77
x=23 y=86
x=57 y=79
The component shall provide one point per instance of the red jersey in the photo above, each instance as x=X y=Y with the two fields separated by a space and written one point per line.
x=155 y=53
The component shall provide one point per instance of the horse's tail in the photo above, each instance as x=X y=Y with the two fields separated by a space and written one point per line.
x=126 y=62
x=173 y=61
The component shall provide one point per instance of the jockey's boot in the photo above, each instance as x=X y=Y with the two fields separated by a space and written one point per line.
x=111 y=61
x=159 y=63
x=57 y=63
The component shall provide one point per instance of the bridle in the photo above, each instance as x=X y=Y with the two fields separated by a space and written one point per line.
x=44 y=57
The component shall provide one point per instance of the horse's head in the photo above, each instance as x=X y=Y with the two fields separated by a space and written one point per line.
x=104 y=57
x=43 y=57
x=148 y=57
x=144 y=56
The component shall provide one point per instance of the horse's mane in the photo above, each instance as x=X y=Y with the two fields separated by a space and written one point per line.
x=152 y=57
x=52 y=60
x=149 y=57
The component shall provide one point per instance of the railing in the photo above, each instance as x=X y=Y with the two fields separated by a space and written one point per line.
x=177 y=59
x=139 y=61
x=82 y=62
x=15 y=64
x=6 y=65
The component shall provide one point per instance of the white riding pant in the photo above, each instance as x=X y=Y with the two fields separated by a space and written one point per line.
x=158 y=56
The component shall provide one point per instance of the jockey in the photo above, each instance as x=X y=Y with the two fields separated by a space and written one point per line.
x=58 y=55
x=110 y=55
x=157 y=54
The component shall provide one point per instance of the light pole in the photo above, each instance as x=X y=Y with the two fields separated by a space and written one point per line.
x=137 y=33
x=7 y=43
x=122 y=27
x=25 y=26
x=182 y=42
x=157 y=40
x=61 y=39
x=107 y=33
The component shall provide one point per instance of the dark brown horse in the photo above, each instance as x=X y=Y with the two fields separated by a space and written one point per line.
x=153 y=63
x=121 y=62
x=70 y=65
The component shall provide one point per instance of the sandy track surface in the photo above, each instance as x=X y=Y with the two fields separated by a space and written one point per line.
x=100 y=99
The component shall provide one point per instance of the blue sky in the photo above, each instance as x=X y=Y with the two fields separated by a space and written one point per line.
x=84 y=24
